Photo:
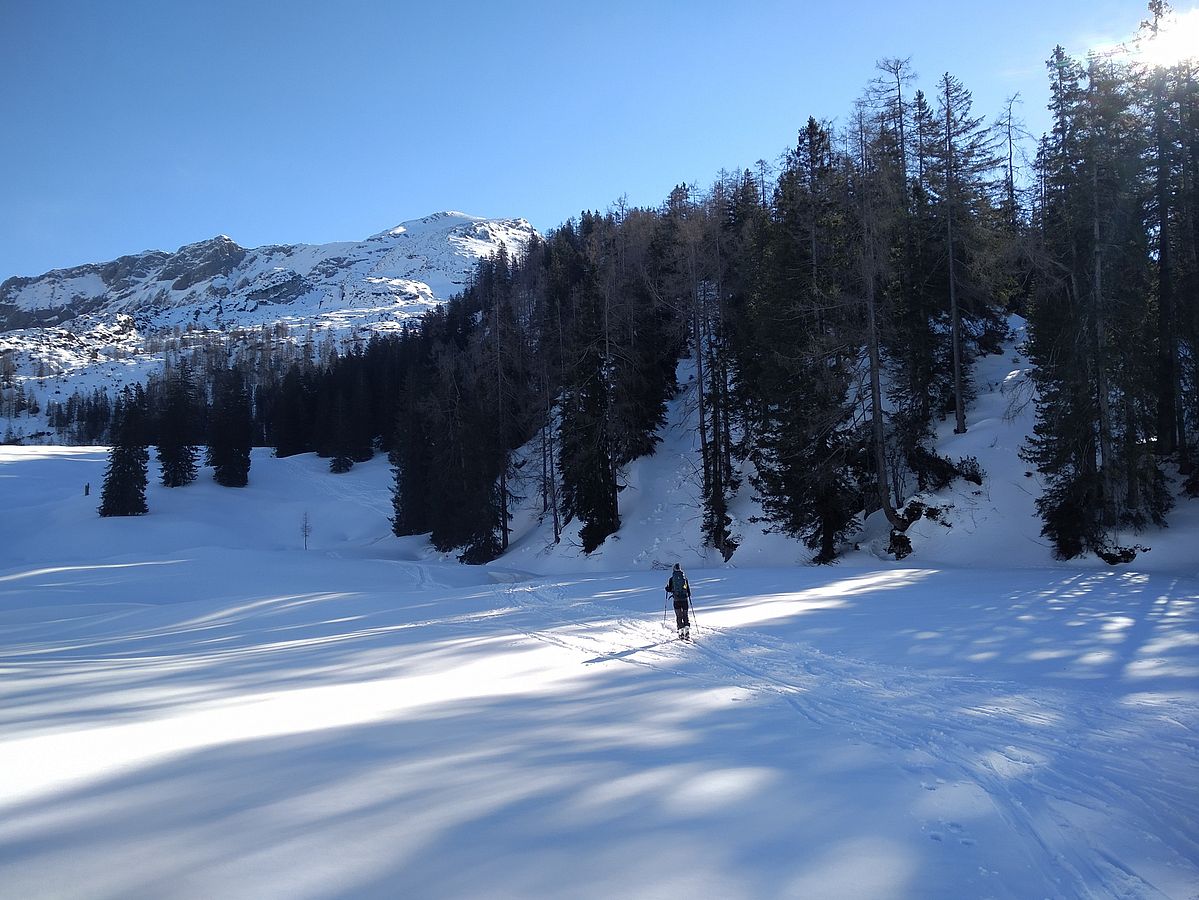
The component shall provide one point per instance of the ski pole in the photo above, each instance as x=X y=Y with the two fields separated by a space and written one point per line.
x=694 y=621
x=665 y=606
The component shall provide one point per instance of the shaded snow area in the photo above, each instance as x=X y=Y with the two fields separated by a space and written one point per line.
x=993 y=524
x=193 y=706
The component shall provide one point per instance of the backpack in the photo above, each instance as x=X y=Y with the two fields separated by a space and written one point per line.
x=678 y=584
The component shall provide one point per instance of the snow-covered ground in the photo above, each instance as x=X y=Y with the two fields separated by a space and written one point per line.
x=192 y=705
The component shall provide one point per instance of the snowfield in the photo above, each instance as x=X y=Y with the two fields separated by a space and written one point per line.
x=194 y=706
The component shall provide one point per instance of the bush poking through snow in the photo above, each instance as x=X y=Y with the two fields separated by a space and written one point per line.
x=1118 y=556
x=901 y=544
x=970 y=470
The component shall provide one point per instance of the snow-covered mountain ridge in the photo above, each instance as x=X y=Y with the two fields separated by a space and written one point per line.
x=68 y=322
x=218 y=283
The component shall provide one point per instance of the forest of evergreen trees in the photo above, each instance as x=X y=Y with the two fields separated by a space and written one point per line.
x=830 y=312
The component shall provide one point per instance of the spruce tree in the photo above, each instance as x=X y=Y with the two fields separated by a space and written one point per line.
x=292 y=412
x=230 y=430
x=413 y=483
x=340 y=455
x=793 y=363
x=177 y=456
x=124 y=490
x=1090 y=317
x=587 y=449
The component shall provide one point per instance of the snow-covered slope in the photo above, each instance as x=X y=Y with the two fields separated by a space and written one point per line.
x=995 y=522
x=192 y=705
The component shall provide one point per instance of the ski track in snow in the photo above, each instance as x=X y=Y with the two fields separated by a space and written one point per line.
x=1046 y=761
x=1023 y=751
x=1078 y=781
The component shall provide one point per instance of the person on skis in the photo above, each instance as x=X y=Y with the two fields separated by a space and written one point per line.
x=678 y=588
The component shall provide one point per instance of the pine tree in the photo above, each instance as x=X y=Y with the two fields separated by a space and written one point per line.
x=872 y=210
x=793 y=364
x=230 y=430
x=737 y=222
x=341 y=457
x=1169 y=95
x=962 y=167
x=917 y=344
x=292 y=412
x=177 y=456
x=1090 y=320
x=412 y=476
x=587 y=450
x=467 y=510
x=686 y=259
x=124 y=490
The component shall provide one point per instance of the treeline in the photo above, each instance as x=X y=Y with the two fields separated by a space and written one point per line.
x=177 y=419
x=1114 y=326
x=796 y=301
x=827 y=315
x=833 y=313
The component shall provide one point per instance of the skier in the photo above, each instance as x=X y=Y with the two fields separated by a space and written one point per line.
x=678 y=587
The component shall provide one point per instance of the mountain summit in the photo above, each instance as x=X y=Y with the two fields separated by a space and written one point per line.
x=216 y=283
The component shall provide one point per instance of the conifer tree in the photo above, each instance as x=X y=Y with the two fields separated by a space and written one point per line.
x=413 y=481
x=587 y=454
x=292 y=412
x=872 y=210
x=230 y=430
x=467 y=509
x=177 y=455
x=124 y=489
x=737 y=230
x=341 y=458
x=793 y=343
x=1090 y=317
x=1170 y=96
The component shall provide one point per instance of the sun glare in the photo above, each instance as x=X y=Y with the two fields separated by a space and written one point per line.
x=1177 y=39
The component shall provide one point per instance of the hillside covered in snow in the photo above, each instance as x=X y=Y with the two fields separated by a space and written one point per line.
x=196 y=705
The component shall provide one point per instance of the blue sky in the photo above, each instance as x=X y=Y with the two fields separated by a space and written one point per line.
x=135 y=125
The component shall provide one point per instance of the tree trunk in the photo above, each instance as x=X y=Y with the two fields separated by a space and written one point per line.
x=549 y=411
x=502 y=427
x=609 y=450
x=1167 y=359
x=1010 y=186
x=545 y=471
x=1106 y=459
x=876 y=393
x=955 y=326
x=1190 y=254
x=1133 y=458
x=553 y=483
x=697 y=331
